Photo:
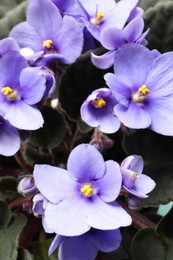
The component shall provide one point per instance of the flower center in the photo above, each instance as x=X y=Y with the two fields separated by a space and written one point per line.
x=99 y=103
x=135 y=175
x=141 y=94
x=87 y=190
x=97 y=19
x=9 y=93
x=48 y=44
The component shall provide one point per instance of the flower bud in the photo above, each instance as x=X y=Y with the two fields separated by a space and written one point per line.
x=26 y=186
x=135 y=203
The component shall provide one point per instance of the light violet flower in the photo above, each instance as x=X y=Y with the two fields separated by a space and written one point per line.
x=87 y=245
x=8 y=44
x=21 y=87
x=134 y=181
x=101 y=14
x=143 y=87
x=112 y=38
x=83 y=196
x=9 y=138
x=46 y=30
x=97 y=111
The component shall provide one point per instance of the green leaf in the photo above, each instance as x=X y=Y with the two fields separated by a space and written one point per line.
x=8 y=188
x=147 y=246
x=11 y=18
x=39 y=249
x=5 y=214
x=146 y=4
x=83 y=127
x=165 y=227
x=53 y=130
x=80 y=79
x=24 y=254
x=9 y=238
x=160 y=21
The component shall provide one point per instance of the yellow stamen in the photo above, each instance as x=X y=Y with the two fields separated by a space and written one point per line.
x=100 y=15
x=141 y=94
x=87 y=190
x=135 y=175
x=144 y=90
x=99 y=103
x=48 y=44
x=7 y=90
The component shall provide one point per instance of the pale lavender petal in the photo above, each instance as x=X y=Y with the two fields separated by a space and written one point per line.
x=133 y=72
x=91 y=6
x=87 y=114
x=134 y=29
x=105 y=240
x=108 y=187
x=160 y=110
x=9 y=139
x=85 y=163
x=8 y=44
x=55 y=243
x=109 y=123
x=67 y=218
x=142 y=186
x=75 y=248
x=121 y=92
x=106 y=216
x=71 y=47
x=54 y=183
x=104 y=61
x=45 y=17
x=134 y=163
x=32 y=85
x=23 y=116
x=134 y=116
x=26 y=36
x=111 y=38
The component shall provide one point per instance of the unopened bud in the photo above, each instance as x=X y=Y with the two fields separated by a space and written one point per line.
x=135 y=203
x=26 y=186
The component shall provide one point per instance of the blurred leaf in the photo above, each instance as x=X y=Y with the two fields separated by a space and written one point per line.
x=34 y=155
x=119 y=254
x=8 y=188
x=24 y=254
x=147 y=246
x=165 y=227
x=146 y=4
x=9 y=238
x=5 y=214
x=40 y=250
x=11 y=17
x=80 y=79
x=83 y=127
x=160 y=21
x=53 y=130
x=7 y=5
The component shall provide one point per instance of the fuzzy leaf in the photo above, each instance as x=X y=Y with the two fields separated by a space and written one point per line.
x=24 y=254
x=8 y=188
x=5 y=214
x=40 y=250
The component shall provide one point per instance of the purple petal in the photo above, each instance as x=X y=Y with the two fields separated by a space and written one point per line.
x=106 y=216
x=92 y=5
x=23 y=116
x=143 y=185
x=8 y=44
x=67 y=218
x=45 y=17
x=134 y=163
x=55 y=243
x=134 y=116
x=32 y=85
x=85 y=163
x=9 y=139
x=105 y=240
x=132 y=64
x=11 y=65
x=161 y=110
x=104 y=61
x=121 y=92
x=134 y=29
x=108 y=187
x=71 y=47
x=111 y=38
x=26 y=36
x=54 y=183
x=75 y=248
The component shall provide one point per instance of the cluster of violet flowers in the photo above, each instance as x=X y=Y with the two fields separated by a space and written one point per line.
x=79 y=204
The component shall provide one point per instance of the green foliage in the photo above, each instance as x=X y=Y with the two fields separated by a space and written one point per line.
x=5 y=214
x=24 y=254
x=39 y=249
x=159 y=19
x=8 y=188
x=146 y=4
x=9 y=237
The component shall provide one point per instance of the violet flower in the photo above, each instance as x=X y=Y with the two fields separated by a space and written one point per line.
x=97 y=111
x=87 y=245
x=102 y=14
x=21 y=87
x=26 y=186
x=143 y=87
x=45 y=30
x=9 y=138
x=8 y=44
x=134 y=181
x=83 y=196
x=112 y=38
